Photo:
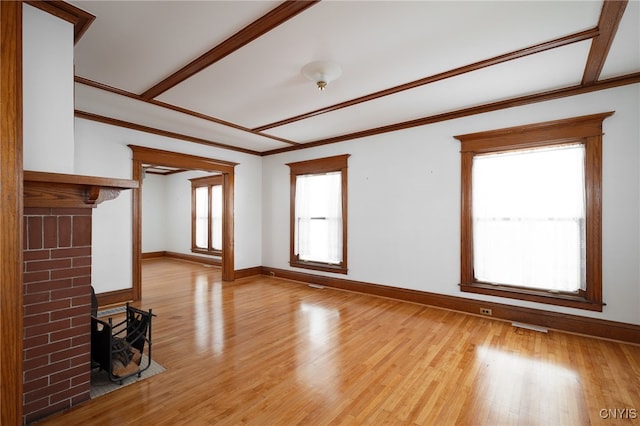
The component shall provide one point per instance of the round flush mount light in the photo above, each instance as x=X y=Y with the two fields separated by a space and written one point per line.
x=322 y=72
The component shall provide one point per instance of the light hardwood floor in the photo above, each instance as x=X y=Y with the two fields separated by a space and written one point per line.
x=267 y=351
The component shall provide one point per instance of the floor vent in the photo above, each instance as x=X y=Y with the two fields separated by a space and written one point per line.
x=111 y=311
x=529 y=327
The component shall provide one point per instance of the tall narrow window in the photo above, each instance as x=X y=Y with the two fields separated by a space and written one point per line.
x=531 y=212
x=215 y=236
x=202 y=218
x=319 y=214
x=206 y=229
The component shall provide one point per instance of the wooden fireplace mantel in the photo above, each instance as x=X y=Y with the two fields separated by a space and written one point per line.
x=43 y=189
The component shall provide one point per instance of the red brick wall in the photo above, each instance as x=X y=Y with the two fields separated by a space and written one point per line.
x=57 y=309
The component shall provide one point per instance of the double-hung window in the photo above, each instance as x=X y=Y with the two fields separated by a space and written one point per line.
x=319 y=214
x=206 y=215
x=531 y=212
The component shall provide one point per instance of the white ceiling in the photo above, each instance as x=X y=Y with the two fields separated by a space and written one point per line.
x=132 y=46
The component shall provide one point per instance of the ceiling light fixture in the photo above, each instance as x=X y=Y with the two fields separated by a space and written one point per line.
x=322 y=72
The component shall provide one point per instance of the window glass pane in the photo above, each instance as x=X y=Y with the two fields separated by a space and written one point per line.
x=216 y=217
x=318 y=226
x=529 y=218
x=202 y=217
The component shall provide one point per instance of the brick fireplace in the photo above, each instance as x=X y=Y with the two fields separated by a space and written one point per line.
x=57 y=288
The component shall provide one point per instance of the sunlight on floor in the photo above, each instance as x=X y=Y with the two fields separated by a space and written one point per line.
x=209 y=315
x=317 y=349
x=526 y=387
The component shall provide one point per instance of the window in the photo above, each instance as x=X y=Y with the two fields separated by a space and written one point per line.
x=206 y=215
x=531 y=212
x=529 y=228
x=319 y=214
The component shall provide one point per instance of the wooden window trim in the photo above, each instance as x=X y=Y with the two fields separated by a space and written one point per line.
x=209 y=182
x=336 y=163
x=586 y=130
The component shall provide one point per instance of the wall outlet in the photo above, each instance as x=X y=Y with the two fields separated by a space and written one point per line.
x=485 y=311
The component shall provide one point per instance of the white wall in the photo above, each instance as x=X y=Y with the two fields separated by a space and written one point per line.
x=101 y=150
x=404 y=201
x=166 y=213
x=47 y=92
x=154 y=213
x=409 y=241
x=178 y=206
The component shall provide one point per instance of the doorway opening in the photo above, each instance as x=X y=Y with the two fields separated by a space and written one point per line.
x=143 y=156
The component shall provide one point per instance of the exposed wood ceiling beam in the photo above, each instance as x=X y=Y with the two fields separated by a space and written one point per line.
x=266 y=23
x=602 y=36
x=80 y=19
x=552 y=44
x=147 y=129
x=610 y=17
x=464 y=112
x=130 y=95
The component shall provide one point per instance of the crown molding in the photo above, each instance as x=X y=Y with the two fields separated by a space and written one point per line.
x=538 y=48
x=121 y=92
x=141 y=128
x=465 y=112
x=80 y=19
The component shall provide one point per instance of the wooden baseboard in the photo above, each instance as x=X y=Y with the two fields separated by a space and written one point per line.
x=558 y=321
x=248 y=272
x=115 y=297
x=182 y=256
x=152 y=254
x=238 y=273
x=554 y=320
x=193 y=258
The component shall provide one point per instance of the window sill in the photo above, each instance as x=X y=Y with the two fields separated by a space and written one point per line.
x=207 y=252
x=533 y=295
x=319 y=266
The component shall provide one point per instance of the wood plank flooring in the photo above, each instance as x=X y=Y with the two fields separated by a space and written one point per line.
x=266 y=351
